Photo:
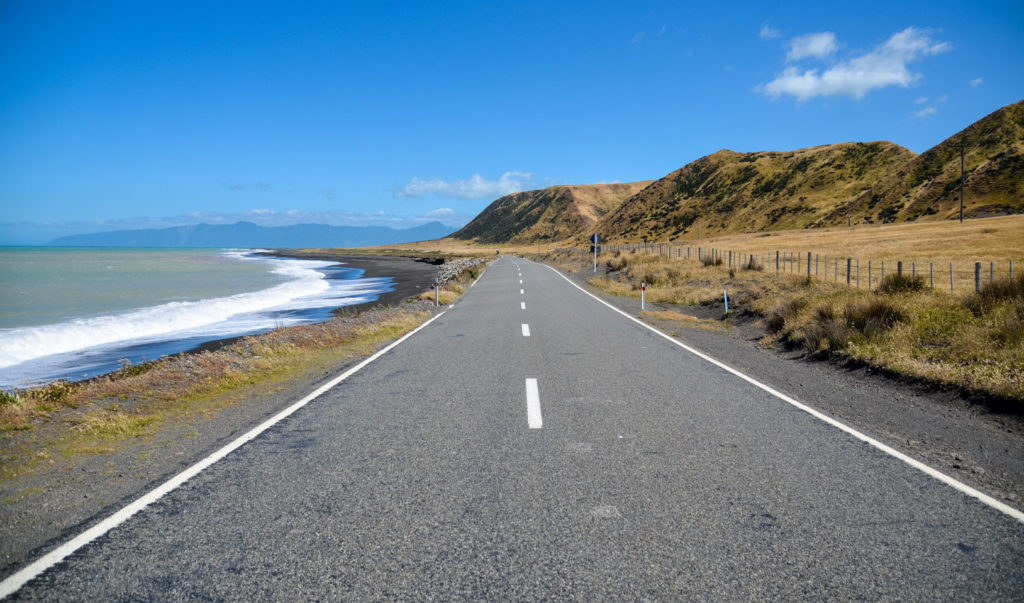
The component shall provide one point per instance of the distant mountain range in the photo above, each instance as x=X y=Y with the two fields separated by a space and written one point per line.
x=249 y=235
x=730 y=192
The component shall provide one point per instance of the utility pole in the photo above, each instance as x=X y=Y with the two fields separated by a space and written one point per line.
x=962 y=182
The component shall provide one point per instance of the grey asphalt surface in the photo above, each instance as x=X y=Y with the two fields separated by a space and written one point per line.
x=656 y=476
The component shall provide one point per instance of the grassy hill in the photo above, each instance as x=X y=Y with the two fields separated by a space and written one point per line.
x=859 y=183
x=748 y=192
x=929 y=186
x=550 y=214
x=729 y=192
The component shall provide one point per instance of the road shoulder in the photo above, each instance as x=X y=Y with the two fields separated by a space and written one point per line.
x=969 y=442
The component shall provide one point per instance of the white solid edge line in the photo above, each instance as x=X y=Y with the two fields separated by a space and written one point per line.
x=533 y=418
x=15 y=581
x=526 y=330
x=942 y=477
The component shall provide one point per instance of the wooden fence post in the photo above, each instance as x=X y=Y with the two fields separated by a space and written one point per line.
x=808 y=265
x=869 y=275
x=899 y=269
x=931 y=274
x=977 y=277
x=951 y=277
x=849 y=263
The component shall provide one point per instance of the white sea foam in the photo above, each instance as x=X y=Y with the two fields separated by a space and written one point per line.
x=306 y=288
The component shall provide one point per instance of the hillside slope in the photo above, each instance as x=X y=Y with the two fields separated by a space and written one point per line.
x=856 y=183
x=929 y=187
x=550 y=214
x=748 y=192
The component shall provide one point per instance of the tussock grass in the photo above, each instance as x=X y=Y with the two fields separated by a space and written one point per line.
x=974 y=342
x=189 y=377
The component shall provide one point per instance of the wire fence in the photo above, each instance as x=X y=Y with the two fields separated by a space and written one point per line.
x=953 y=276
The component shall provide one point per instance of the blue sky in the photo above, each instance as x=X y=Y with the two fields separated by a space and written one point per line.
x=128 y=115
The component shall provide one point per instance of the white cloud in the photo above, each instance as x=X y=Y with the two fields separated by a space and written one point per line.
x=975 y=82
x=885 y=65
x=922 y=100
x=638 y=37
x=815 y=45
x=925 y=112
x=447 y=216
x=476 y=187
x=769 y=33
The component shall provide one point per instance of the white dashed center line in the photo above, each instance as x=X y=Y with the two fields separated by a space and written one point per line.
x=521 y=292
x=533 y=418
x=522 y=305
x=526 y=330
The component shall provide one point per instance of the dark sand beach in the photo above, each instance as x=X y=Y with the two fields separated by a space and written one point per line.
x=410 y=275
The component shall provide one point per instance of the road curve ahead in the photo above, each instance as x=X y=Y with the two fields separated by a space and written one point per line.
x=532 y=443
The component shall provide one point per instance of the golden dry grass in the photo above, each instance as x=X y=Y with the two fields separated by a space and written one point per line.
x=970 y=341
x=249 y=361
x=98 y=416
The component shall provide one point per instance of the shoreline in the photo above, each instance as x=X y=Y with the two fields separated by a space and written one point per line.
x=410 y=276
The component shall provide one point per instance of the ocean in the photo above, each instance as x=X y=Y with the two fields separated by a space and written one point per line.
x=74 y=313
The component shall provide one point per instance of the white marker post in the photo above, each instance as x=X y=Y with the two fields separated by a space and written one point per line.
x=595 y=239
x=726 y=300
x=643 y=295
x=437 y=285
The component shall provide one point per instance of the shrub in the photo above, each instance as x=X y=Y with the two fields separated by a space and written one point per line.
x=130 y=370
x=752 y=264
x=896 y=283
x=995 y=292
x=827 y=330
x=9 y=398
x=709 y=260
x=873 y=317
x=56 y=392
x=1009 y=328
x=617 y=263
x=785 y=310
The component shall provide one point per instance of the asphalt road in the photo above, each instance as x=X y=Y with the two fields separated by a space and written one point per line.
x=642 y=472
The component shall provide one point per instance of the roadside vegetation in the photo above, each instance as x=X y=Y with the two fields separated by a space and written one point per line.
x=974 y=342
x=453 y=290
x=65 y=419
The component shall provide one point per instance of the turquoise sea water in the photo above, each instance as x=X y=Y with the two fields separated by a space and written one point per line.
x=77 y=312
x=42 y=285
